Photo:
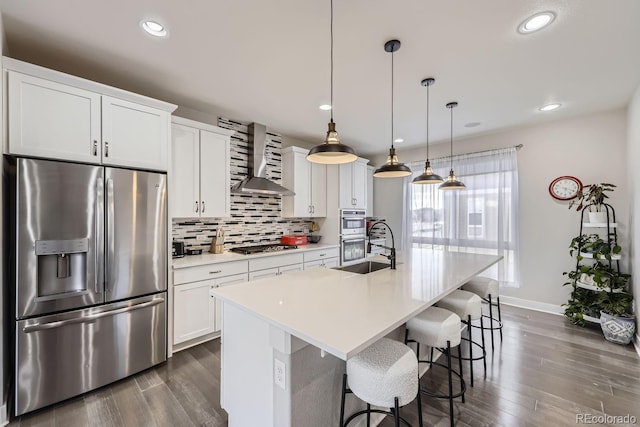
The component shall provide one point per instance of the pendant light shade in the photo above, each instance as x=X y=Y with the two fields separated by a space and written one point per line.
x=427 y=177
x=392 y=168
x=452 y=182
x=332 y=151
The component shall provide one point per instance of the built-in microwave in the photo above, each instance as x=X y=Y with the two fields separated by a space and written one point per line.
x=353 y=222
x=353 y=249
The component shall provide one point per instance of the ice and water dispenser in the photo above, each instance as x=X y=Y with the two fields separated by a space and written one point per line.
x=62 y=268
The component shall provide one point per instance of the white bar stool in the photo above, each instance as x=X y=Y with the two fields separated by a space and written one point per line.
x=468 y=306
x=487 y=288
x=438 y=328
x=383 y=374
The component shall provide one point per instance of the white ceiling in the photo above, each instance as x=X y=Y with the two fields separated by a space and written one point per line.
x=268 y=61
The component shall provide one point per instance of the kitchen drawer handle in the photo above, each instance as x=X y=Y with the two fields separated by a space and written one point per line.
x=89 y=318
x=323 y=254
x=215 y=272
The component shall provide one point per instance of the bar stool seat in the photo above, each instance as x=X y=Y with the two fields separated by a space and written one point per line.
x=487 y=289
x=468 y=306
x=384 y=374
x=438 y=328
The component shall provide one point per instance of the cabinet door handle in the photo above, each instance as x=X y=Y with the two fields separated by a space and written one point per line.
x=203 y=206
x=95 y=147
x=309 y=209
x=313 y=209
x=322 y=254
x=215 y=272
x=197 y=209
x=106 y=149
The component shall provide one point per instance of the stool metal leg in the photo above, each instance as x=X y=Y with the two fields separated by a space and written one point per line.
x=491 y=317
x=396 y=413
x=460 y=366
x=499 y=317
x=450 y=382
x=419 y=406
x=470 y=348
x=484 y=352
x=344 y=393
x=369 y=413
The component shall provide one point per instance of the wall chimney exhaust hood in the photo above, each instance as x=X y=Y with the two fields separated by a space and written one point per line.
x=256 y=182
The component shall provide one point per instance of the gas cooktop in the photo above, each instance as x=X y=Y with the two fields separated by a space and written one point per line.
x=247 y=250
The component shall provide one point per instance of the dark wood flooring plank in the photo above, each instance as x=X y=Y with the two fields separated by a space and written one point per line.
x=131 y=404
x=165 y=408
x=102 y=409
x=72 y=413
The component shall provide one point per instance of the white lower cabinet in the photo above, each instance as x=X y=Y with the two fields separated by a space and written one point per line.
x=276 y=265
x=194 y=311
x=326 y=258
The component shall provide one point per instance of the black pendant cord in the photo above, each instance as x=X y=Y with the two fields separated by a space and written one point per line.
x=332 y=61
x=428 y=122
x=392 y=100
x=451 y=139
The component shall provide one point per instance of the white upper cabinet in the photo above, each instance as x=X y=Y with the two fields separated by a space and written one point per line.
x=353 y=184
x=58 y=116
x=309 y=182
x=48 y=119
x=200 y=179
x=134 y=135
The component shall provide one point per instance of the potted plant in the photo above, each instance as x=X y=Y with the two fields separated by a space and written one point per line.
x=593 y=246
x=617 y=323
x=592 y=196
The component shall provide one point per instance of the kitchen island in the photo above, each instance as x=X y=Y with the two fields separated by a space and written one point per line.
x=285 y=340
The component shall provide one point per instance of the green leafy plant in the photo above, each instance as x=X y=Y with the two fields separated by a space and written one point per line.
x=595 y=245
x=592 y=195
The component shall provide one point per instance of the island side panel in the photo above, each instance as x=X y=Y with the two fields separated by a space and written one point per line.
x=247 y=369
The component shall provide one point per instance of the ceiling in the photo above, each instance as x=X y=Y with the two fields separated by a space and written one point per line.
x=268 y=61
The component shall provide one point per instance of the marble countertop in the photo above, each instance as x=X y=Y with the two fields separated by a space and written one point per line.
x=342 y=312
x=226 y=256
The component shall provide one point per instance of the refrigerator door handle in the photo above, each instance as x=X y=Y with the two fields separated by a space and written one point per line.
x=90 y=318
x=99 y=218
x=111 y=252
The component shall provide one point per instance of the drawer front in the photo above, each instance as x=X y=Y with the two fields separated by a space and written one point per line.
x=209 y=271
x=274 y=261
x=321 y=254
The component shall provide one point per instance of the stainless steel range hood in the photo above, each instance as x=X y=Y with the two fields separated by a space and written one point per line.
x=256 y=182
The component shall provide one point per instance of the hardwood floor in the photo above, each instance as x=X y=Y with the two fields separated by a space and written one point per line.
x=545 y=372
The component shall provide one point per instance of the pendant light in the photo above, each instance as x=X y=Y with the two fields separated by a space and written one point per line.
x=452 y=182
x=332 y=151
x=428 y=177
x=393 y=168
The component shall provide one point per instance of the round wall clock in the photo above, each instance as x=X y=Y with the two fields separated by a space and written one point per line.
x=565 y=187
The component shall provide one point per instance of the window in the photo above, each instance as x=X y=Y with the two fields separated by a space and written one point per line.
x=482 y=218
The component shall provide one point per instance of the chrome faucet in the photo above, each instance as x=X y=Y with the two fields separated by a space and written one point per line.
x=392 y=255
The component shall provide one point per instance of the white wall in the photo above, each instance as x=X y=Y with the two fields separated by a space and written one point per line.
x=592 y=148
x=633 y=118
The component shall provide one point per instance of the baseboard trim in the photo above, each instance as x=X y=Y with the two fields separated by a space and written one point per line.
x=532 y=305
x=636 y=343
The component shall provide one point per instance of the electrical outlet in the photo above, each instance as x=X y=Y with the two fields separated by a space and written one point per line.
x=279 y=373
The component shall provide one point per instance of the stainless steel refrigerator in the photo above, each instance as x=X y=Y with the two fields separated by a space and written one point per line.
x=89 y=275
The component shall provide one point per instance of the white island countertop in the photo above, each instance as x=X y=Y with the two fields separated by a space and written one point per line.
x=341 y=312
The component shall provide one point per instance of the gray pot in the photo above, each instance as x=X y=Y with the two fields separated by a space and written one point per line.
x=618 y=330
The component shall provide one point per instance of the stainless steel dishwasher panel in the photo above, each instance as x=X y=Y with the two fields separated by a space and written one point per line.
x=63 y=355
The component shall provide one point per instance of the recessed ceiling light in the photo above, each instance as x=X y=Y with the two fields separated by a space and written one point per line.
x=472 y=124
x=398 y=140
x=153 y=28
x=536 y=22
x=550 y=107
x=325 y=107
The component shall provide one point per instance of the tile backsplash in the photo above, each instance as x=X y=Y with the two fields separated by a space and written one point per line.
x=254 y=219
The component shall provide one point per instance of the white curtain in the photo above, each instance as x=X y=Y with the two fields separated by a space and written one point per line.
x=482 y=218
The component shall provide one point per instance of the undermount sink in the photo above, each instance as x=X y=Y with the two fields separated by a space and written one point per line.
x=364 y=267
